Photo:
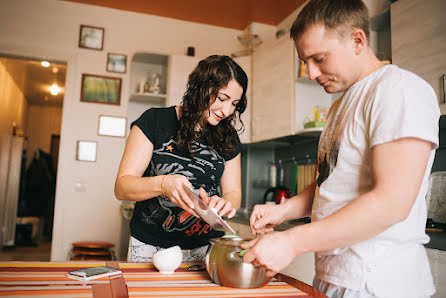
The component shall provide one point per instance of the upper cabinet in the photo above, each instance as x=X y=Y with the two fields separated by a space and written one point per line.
x=419 y=41
x=273 y=90
x=148 y=78
x=245 y=134
x=380 y=36
x=284 y=99
x=180 y=67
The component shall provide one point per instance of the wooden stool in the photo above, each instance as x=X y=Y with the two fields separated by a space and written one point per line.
x=92 y=250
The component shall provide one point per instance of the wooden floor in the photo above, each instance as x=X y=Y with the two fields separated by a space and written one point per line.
x=41 y=252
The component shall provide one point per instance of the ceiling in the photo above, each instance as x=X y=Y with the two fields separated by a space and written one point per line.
x=38 y=79
x=235 y=14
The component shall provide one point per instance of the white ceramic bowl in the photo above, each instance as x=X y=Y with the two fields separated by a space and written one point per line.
x=168 y=260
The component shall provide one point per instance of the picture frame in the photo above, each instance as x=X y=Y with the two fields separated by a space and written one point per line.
x=112 y=126
x=86 y=151
x=116 y=63
x=101 y=89
x=91 y=37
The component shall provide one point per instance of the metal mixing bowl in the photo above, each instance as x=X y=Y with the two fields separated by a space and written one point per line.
x=225 y=265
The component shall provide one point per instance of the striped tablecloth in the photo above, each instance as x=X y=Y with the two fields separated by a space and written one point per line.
x=47 y=279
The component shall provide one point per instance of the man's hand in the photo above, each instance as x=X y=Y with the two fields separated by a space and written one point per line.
x=265 y=217
x=272 y=252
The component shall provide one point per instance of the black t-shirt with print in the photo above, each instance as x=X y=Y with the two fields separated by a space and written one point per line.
x=158 y=221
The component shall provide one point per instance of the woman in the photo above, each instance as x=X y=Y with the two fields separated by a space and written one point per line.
x=194 y=144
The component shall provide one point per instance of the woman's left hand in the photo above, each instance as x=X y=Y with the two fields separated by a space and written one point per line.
x=220 y=205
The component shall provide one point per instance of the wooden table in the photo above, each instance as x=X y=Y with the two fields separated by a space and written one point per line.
x=47 y=279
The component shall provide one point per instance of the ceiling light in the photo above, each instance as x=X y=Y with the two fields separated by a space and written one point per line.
x=54 y=89
x=55 y=70
x=45 y=63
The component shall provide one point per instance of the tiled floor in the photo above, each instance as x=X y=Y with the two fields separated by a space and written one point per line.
x=41 y=252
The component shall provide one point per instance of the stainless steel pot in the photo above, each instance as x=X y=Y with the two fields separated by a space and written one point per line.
x=225 y=265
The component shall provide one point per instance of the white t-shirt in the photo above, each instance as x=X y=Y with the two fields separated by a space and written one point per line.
x=388 y=104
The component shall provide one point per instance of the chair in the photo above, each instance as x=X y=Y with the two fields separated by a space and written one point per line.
x=92 y=250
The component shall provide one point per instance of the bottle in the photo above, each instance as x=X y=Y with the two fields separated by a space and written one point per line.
x=272 y=174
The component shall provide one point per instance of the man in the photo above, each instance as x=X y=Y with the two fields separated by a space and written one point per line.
x=375 y=154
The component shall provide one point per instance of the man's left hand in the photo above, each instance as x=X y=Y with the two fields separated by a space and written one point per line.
x=272 y=252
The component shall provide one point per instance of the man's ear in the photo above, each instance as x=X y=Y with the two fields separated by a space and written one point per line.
x=359 y=40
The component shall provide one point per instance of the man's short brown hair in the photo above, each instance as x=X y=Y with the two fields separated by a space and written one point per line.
x=341 y=16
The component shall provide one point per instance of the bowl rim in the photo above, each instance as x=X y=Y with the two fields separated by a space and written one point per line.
x=229 y=241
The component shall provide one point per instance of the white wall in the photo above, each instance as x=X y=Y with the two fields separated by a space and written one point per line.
x=12 y=109
x=86 y=208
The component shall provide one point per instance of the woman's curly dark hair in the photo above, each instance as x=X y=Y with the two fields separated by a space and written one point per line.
x=210 y=75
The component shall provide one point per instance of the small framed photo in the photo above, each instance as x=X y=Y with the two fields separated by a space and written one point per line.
x=91 y=37
x=116 y=63
x=86 y=150
x=101 y=89
x=113 y=126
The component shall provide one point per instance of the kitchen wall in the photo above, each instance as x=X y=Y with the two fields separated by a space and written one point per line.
x=86 y=208
x=13 y=108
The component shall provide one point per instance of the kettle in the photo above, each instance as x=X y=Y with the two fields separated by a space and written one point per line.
x=280 y=194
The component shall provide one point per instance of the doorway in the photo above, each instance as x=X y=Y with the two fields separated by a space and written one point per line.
x=38 y=84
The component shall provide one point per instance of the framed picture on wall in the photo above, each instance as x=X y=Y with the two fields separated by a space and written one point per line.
x=91 y=37
x=101 y=89
x=86 y=151
x=116 y=63
x=113 y=126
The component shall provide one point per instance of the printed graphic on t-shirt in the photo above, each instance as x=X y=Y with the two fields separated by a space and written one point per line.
x=329 y=148
x=201 y=167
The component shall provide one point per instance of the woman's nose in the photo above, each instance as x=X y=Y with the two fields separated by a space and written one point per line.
x=227 y=108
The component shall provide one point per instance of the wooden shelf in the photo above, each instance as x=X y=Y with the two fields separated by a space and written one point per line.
x=303 y=135
x=148 y=97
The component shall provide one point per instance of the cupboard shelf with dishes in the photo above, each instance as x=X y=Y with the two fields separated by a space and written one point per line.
x=148 y=78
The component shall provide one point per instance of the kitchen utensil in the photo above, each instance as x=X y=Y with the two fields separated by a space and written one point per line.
x=208 y=215
x=280 y=194
x=168 y=260
x=225 y=266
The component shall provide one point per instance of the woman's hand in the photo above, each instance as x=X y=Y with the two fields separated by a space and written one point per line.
x=172 y=189
x=265 y=217
x=220 y=205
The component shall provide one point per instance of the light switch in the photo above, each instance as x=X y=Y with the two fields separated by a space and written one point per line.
x=80 y=186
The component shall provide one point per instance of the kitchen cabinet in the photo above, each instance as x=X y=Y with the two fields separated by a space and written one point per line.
x=419 y=40
x=245 y=135
x=273 y=90
x=180 y=67
x=148 y=78
x=282 y=101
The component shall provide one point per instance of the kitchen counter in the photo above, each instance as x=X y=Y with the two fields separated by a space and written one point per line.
x=438 y=239
x=29 y=279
